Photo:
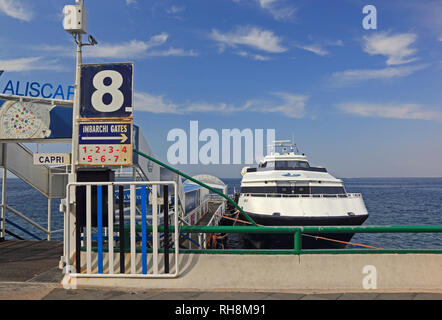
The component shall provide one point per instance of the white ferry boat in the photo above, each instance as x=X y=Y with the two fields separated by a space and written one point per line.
x=284 y=190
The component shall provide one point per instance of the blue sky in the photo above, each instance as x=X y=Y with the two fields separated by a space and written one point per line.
x=363 y=103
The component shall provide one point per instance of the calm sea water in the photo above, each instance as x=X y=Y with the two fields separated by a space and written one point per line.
x=389 y=201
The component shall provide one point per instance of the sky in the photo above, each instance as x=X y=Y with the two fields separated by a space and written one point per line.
x=360 y=102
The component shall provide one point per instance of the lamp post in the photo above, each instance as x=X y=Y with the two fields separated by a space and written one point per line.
x=75 y=22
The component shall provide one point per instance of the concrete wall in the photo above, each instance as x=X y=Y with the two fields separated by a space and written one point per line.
x=288 y=273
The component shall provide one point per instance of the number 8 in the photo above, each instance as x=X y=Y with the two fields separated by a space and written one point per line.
x=117 y=96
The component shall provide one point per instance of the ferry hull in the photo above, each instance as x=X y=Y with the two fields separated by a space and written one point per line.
x=278 y=241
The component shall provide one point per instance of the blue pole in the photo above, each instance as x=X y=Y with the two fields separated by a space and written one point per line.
x=100 y=228
x=143 y=230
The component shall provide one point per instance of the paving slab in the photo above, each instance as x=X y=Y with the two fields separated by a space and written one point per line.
x=284 y=296
x=324 y=296
x=25 y=291
x=358 y=296
x=54 y=291
x=213 y=296
x=28 y=260
x=428 y=296
x=396 y=296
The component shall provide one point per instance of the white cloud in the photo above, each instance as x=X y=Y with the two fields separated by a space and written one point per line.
x=173 y=52
x=30 y=64
x=59 y=50
x=156 y=104
x=175 y=9
x=15 y=9
x=256 y=57
x=353 y=76
x=131 y=49
x=278 y=9
x=129 y=2
x=253 y=37
x=318 y=48
x=391 y=110
x=126 y=50
x=397 y=47
x=288 y=104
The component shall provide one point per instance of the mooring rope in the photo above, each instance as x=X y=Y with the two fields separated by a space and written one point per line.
x=307 y=235
x=340 y=241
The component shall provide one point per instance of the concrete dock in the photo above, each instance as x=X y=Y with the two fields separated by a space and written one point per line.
x=29 y=271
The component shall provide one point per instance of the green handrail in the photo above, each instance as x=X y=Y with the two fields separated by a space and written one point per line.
x=303 y=229
x=297 y=231
x=197 y=182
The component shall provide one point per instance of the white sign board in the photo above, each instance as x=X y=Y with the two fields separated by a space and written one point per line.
x=52 y=159
x=105 y=143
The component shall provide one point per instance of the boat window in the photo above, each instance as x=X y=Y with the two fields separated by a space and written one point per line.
x=328 y=190
x=294 y=190
x=258 y=189
x=291 y=165
x=302 y=190
x=263 y=165
x=303 y=164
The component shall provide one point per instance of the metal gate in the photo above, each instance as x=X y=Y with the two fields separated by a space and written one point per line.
x=104 y=248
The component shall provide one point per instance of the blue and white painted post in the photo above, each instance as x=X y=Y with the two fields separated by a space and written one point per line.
x=143 y=230
x=100 y=228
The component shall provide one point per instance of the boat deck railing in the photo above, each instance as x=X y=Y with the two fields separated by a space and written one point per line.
x=288 y=195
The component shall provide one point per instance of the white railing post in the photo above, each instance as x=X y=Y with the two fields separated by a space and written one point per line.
x=110 y=220
x=88 y=230
x=133 y=254
x=66 y=235
x=155 y=228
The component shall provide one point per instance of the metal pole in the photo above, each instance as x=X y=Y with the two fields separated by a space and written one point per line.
x=77 y=238
x=166 y=227
x=73 y=175
x=133 y=254
x=49 y=218
x=155 y=228
x=76 y=112
x=5 y=171
x=49 y=205
x=121 y=225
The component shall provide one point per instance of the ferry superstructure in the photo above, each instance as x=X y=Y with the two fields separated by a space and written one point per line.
x=284 y=190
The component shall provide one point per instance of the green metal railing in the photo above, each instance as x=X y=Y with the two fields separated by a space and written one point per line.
x=245 y=215
x=297 y=239
x=310 y=230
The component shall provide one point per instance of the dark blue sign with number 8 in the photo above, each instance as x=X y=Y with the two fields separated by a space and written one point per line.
x=106 y=90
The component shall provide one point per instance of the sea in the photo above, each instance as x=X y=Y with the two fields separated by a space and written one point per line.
x=389 y=201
